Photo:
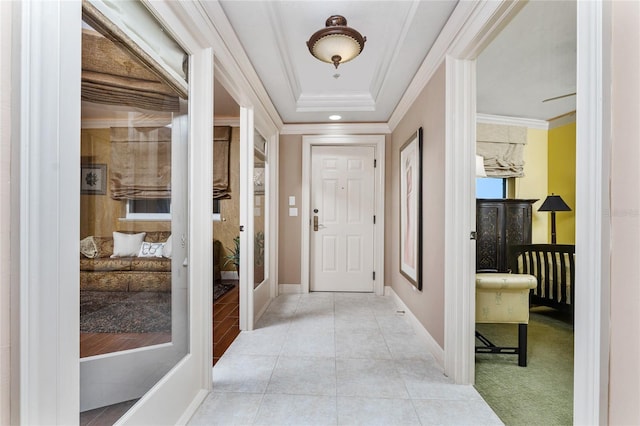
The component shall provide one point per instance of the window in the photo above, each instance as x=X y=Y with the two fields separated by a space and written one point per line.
x=149 y=209
x=491 y=187
x=217 y=217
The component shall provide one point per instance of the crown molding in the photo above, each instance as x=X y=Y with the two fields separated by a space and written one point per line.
x=389 y=59
x=238 y=70
x=432 y=62
x=562 y=120
x=504 y=120
x=467 y=22
x=97 y=123
x=361 y=101
x=335 y=129
x=226 y=121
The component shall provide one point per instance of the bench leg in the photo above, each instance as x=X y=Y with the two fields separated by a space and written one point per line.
x=522 y=345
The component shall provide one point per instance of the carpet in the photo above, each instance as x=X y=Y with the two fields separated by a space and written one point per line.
x=125 y=312
x=132 y=312
x=222 y=287
x=542 y=392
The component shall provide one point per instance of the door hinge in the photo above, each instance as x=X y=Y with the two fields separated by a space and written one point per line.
x=374 y=275
x=375 y=163
x=374 y=219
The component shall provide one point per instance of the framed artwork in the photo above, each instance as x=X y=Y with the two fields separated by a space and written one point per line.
x=93 y=179
x=411 y=209
x=258 y=178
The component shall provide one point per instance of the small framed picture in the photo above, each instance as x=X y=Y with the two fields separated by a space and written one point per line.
x=93 y=179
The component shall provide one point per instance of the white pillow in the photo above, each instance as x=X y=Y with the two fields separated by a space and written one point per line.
x=167 y=250
x=151 y=249
x=126 y=245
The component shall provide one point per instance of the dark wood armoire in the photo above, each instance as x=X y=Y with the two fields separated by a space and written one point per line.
x=499 y=224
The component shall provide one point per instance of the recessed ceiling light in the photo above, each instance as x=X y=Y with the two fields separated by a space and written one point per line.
x=334 y=117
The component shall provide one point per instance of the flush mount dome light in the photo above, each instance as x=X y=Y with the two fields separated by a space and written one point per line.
x=336 y=43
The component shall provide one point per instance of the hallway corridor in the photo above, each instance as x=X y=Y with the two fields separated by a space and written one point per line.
x=335 y=358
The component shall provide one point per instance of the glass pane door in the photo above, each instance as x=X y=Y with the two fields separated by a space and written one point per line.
x=133 y=215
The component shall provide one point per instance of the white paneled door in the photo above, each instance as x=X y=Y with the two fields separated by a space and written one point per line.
x=342 y=218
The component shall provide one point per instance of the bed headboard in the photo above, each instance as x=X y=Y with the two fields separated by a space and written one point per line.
x=553 y=265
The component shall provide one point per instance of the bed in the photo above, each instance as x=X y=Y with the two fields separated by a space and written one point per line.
x=553 y=265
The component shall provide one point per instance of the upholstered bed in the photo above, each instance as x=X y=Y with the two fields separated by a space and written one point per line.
x=553 y=265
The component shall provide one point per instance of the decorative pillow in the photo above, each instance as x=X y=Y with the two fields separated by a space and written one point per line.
x=157 y=236
x=126 y=245
x=150 y=249
x=104 y=246
x=167 y=249
x=88 y=247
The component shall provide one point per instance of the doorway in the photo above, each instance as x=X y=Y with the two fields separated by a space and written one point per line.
x=343 y=174
x=343 y=207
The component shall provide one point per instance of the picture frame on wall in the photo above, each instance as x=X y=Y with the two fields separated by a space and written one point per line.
x=93 y=179
x=411 y=209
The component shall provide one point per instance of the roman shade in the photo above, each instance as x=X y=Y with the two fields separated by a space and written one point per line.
x=111 y=76
x=502 y=148
x=221 y=151
x=140 y=163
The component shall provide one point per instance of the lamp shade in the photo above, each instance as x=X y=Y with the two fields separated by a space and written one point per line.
x=554 y=203
x=336 y=43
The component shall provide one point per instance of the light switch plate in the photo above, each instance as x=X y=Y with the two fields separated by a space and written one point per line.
x=292 y=200
x=293 y=211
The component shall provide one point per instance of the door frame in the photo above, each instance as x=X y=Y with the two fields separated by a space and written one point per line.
x=591 y=341
x=45 y=168
x=378 y=143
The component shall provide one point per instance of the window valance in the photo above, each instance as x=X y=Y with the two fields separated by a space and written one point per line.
x=502 y=148
x=140 y=163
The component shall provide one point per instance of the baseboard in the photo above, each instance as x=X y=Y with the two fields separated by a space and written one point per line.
x=229 y=275
x=193 y=406
x=421 y=332
x=289 y=288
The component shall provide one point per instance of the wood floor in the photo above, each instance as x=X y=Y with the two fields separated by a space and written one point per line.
x=102 y=343
x=226 y=327
x=226 y=322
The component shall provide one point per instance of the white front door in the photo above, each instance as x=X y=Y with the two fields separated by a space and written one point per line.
x=342 y=218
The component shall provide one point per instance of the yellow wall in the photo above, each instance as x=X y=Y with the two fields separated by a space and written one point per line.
x=562 y=179
x=534 y=184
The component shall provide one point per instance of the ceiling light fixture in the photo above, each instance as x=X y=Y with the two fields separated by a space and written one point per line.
x=335 y=117
x=336 y=43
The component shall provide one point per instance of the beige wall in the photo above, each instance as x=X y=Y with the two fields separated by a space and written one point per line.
x=5 y=210
x=427 y=112
x=290 y=183
x=624 y=381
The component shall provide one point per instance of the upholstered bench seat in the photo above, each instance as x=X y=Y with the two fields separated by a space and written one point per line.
x=504 y=298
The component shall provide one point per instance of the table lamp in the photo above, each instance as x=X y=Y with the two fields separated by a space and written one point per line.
x=553 y=204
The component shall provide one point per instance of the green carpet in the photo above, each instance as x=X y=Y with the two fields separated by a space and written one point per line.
x=542 y=392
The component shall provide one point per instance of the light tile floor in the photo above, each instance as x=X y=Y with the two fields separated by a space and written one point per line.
x=335 y=359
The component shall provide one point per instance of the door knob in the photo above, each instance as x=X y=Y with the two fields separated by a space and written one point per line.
x=315 y=223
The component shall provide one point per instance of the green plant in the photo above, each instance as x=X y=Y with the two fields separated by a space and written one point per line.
x=259 y=249
x=234 y=254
